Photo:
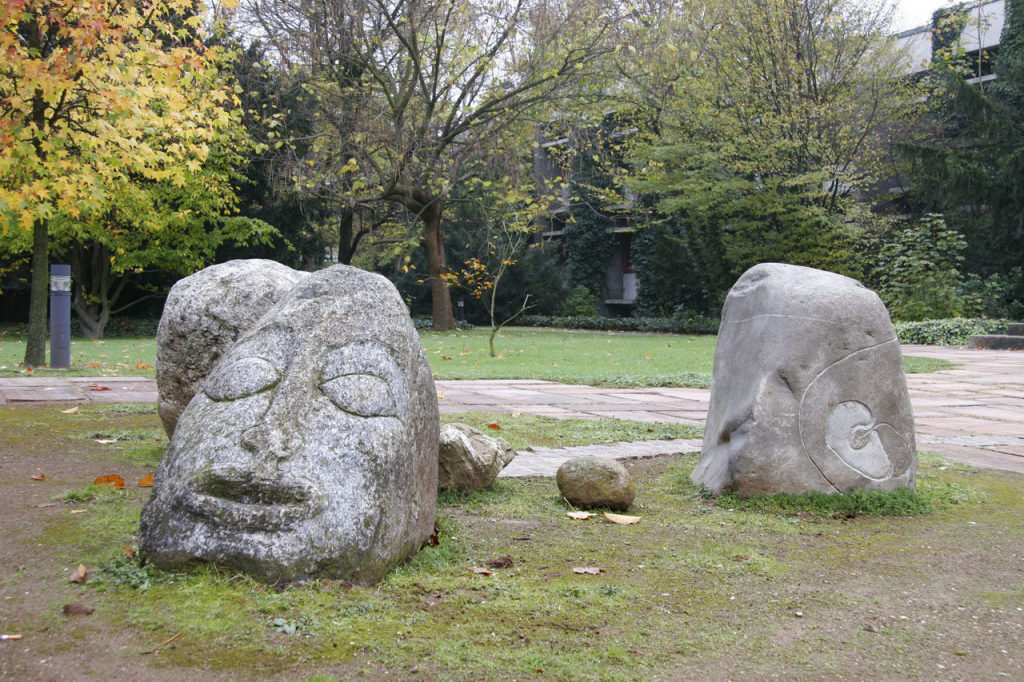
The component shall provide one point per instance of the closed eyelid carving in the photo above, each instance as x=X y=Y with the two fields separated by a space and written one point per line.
x=241 y=378
x=362 y=378
x=364 y=395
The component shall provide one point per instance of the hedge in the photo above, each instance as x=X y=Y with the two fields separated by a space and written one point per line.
x=951 y=332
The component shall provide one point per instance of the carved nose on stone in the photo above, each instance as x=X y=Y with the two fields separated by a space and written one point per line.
x=265 y=440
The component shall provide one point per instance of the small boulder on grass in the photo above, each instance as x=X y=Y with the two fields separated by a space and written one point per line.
x=590 y=482
x=469 y=459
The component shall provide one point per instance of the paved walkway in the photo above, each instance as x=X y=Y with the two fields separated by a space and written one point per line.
x=972 y=414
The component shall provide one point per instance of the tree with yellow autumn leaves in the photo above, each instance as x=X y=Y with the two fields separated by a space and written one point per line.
x=118 y=132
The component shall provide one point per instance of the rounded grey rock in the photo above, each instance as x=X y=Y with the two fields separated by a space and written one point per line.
x=310 y=449
x=808 y=390
x=470 y=459
x=589 y=482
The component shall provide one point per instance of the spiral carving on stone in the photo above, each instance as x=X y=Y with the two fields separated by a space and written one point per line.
x=839 y=429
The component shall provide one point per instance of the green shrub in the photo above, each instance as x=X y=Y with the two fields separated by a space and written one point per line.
x=681 y=324
x=580 y=302
x=952 y=332
x=919 y=272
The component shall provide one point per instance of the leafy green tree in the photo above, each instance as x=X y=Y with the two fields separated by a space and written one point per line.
x=438 y=82
x=919 y=272
x=769 y=122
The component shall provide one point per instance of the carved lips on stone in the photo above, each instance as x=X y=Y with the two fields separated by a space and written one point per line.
x=242 y=499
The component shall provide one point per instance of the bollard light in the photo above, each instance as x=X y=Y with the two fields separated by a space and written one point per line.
x=60 y=316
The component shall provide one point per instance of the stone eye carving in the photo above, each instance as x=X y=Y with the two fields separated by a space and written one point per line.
x=242 y=378
x=364 y=395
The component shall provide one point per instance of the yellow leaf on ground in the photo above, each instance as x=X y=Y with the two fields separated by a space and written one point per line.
x=622 y=519
x=70 y=411
x=79 y=575
x=146 y=481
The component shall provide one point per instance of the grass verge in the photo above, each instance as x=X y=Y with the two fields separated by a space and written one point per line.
x=526 y=430
x=597 y=359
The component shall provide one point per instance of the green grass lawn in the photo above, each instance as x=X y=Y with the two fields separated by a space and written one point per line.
x=598 y=359
x=89 y=357
x=595 y=358
x=526 y=430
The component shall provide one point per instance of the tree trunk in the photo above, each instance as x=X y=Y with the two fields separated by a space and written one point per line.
x=347 y=239
x=35 y=348
x=95 y=291
x=433 y=244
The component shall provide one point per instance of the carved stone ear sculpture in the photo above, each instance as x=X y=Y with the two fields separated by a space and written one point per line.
x=310 y=449
x=808 y=391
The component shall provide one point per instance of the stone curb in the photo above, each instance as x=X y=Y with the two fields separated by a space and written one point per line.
x=545 y=461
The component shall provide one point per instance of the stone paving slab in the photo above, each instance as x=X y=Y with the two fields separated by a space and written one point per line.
x=545 y=461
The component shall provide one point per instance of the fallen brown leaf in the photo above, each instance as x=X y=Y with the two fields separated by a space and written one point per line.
x=740 y=557
x=80 y=575
x=146 y=481
x=494 y=425
x=481 y=571
x=47 y=504
x=71 y=410
x=77 y=609
x=580 y=515
x=622 y=519
x=588 y=570
x=39 y=475
x=501 y=562
x=113 y=480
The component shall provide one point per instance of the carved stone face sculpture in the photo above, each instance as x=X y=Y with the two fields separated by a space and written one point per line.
x=311 y=449
x=808 y=391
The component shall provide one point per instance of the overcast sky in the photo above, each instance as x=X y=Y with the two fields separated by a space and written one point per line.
x=913 y=13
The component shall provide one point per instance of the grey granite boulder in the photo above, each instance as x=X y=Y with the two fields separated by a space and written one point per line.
x=590 y=482
x=470 y=459
x=204 y=315
x=808 y=391
x=311 y=448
